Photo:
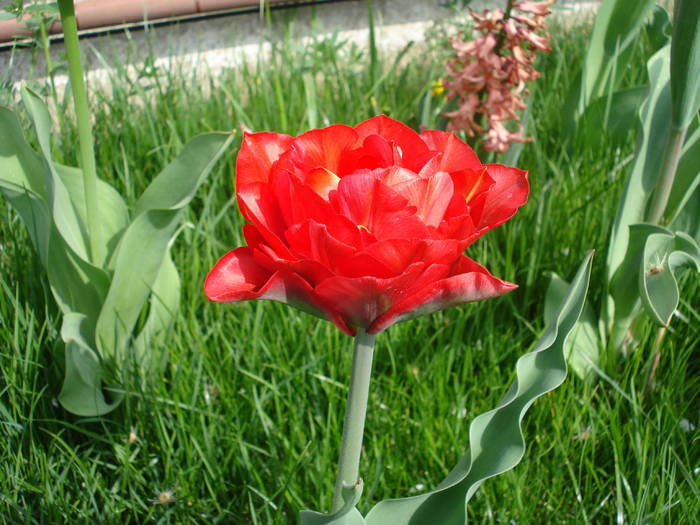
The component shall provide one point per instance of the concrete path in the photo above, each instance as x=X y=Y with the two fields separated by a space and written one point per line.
x=211 y=44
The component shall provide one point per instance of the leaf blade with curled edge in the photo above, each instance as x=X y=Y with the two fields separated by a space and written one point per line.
x=142 y=248
x=663 y=254
x=347 y=515
x=82 y=393
x=495 y=437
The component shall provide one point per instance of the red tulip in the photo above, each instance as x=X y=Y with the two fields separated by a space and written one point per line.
x=364 y=226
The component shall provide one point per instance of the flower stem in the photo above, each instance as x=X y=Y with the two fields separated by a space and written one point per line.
x=87 y=154
x=672 y=154
x=355 y=411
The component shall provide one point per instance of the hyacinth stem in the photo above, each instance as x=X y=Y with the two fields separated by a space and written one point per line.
x=87 y=154
x=355 y=411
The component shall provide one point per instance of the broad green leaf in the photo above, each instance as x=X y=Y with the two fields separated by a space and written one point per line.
x=68 y=192
x=142 y=248
x=687 y=177
x=616 y=26
x=139 y=258
x=77 y=285
x=624 y=288
x=664 y=252
x=659 y=29
x=68 y=223
x=495 y=437
x=24 y=182
x=175 y=186
x=616 y=114
x=685 y=62
x=688 y=219
x=112 y=211
x=82 y=391
x=163 y=303
x=582 y=347
x=640 y=183
x=348 y=515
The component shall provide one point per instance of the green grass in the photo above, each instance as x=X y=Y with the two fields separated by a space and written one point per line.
x=243 y=422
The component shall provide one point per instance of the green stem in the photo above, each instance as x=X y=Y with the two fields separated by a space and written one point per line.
x=672 y=154
x=46 y=48
x=355 y=411
x=87 y=154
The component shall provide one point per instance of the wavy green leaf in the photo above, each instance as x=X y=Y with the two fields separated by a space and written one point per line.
x=616 y=114
x=175 y=186
x=582 y=348
x=495 y=437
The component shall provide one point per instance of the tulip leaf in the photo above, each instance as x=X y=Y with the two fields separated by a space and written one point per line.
x=163 y=303
x=685 y=62
x=687 y=178
x=582 y=347
x=348 y=515
x=495 y=437
x=112 y=211
x=24 y=182
x=621 y=262
x=68 y=199
x=616 y=26
x=69 y=224
x=28 y=185
x=624 y=288
x=663 y=253
x=82 y=392
x=175 y=186
x=659 y=29
x=77 y=285
x=142 y=248
x=688 y=219
x=615 y=114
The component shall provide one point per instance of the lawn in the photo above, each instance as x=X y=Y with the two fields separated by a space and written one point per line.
x=240 y=419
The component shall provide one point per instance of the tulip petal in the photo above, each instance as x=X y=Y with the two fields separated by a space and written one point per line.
x=412 y=148
x=361 y=300
x=456 y=154
x=319 y=148
x=471 y=282
x=257 y=205
x=395 y=255
x=508 y=193
x=237 y=276
x=430 y=196
x=371 y=204
x=259 y=151
x=297 y=202
x=311 y=240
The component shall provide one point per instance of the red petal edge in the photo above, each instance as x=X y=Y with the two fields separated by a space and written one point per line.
x=475 y=284
x=237 y=277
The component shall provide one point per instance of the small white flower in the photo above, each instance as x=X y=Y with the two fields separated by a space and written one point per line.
x=686 y=426
x=417 y=488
